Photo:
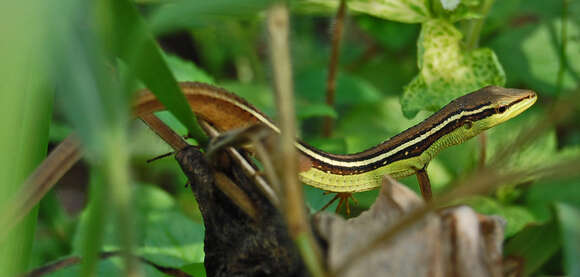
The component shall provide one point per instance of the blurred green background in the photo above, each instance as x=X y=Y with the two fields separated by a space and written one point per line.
x=385 y=84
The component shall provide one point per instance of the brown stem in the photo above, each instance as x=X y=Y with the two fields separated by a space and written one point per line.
x=333 y=65
x=162 y=130
x=424 y=184
x=60 y=160
x=237 y=195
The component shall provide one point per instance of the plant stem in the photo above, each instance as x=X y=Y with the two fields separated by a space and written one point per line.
x=333 y=65
x=472 y=42
x=93 y=234
x=563 y=49
x=475 y=26
x=482 y=149
x=293 y=206
x=116 y=166
x=60 y=160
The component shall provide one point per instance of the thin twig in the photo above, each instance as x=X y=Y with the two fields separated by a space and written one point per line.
x=60 y=160
x=162 y=130
x=266 y=160
x=299 y=229
x=333 y=65
x=249 y=170
x=237 y=195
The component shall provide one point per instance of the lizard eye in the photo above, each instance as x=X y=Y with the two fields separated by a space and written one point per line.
x=501 y=109
x=468 y=124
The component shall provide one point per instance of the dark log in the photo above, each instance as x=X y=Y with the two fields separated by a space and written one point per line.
x=237 y=244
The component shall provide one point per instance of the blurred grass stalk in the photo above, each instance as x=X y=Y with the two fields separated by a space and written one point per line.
x=24 y=116
x=294 y=209
x=92 y=96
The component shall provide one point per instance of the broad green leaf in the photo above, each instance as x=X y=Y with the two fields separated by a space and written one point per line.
x=331 y=145
x=461 y=159
x=517 y=217
x=196 y=269
x=544 y=68
x=407 y=11
x=310 y=86
x=123 y=30
x=183 y=71
x=539 y=151
x=447 y=71
x=369 y=124
x=106 y=267
x=519 y=50
x=569 y=219
x=186 y=71
x=393 y=35
x=259 y=95
x=534 y=245
x=166 y=236
x=314 y=110
x=542 y=195
x=185 y=14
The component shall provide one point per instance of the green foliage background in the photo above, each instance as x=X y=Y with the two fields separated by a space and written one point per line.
x=400 y=61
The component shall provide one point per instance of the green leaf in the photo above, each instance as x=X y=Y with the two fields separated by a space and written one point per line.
x=534 y=245
x=517 y=217
x=541 y=151
x=186 y=71
x=407 y=11
x=186 y=14
x=331 y=145
x=569 y=219
x=447 y=71
x=259 y=95
x=455 y=10
x=369 y=124
x=195 y=269
x=124 y=31
x=538 y=152
x=166 y=236
x=315 y=110
x=393 y=35
x=531 y=53
x=544 y=68
x=106 y=267
x=310 y=86
x=541 y=196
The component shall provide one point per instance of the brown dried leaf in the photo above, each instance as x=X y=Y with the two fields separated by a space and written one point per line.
x=453 y=242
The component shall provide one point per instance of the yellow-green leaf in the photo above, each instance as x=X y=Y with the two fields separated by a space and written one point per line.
x=407 y=11
x=447 y=71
